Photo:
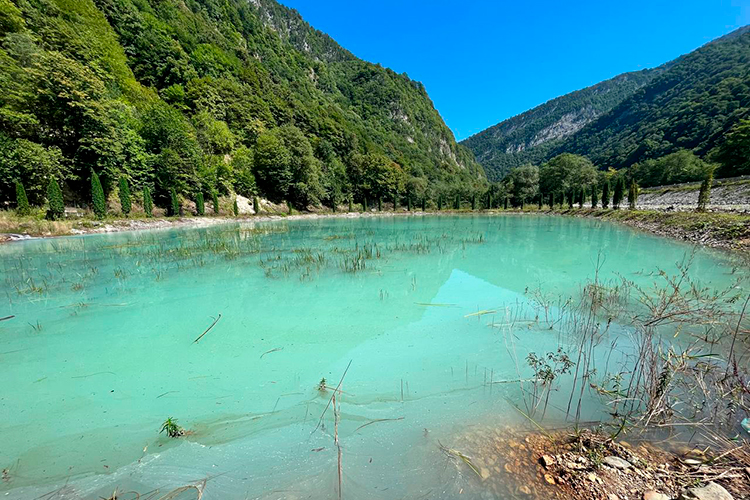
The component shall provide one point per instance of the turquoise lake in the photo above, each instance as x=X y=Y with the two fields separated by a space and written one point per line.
x=433 y=315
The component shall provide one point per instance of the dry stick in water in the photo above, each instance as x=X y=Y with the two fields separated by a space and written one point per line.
x=207 y=329
x=272 y=350
x=6 y=318
x=376 y=421
x=320 y=421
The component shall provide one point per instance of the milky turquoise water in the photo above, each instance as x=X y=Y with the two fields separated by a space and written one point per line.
x=101 y=349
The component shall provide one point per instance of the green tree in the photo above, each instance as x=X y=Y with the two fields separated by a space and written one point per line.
x=734 y=153
x=605 y=193
x=148 y=202
x=98 y=202
x=594 y=195
x=124 y=193
x=632 y=194
x=22 y=202
x=523 y=183
x=56 y=209
x=256 y=205
x=273 y=171
x=619 y=192
x=174 y=203
x=235 y=208
x=200 y=204
x=565 y=173
x=215 y=201
x=704 y=195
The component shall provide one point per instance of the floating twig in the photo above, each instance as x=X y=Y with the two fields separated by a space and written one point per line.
x=480 y=313
x=207 y=329
x=272 y=350
x=377 y=421
x=6 y=318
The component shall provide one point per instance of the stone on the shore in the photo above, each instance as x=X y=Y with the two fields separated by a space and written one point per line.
x=617 y=462
x=548 y=461
x=711 y=491
x=654 y=495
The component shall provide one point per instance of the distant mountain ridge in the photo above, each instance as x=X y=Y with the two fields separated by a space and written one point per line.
x=687 y=103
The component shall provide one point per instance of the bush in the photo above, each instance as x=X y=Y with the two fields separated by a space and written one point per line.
x=22 y=202
x=98 y=202
x=54 y=197
x=125 y=196
x=148 y=203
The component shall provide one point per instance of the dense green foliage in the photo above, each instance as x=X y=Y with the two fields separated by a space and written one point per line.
x=202 y=95
x=124 y=192
x=174 y=203
x=22 y=201
x=56 y=208
x=531 y=136
x=98 y=202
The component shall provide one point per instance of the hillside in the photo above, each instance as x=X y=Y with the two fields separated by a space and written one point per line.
x=531 y=136
x=200 y=95
x=690 y=103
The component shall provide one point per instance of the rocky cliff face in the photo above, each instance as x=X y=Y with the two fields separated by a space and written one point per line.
x=528 y=136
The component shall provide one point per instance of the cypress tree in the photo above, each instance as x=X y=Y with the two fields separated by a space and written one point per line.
x=541 y=199
x=632 y=195
x=351 y=208
x=704 y=195
x=619 y=193
x=424 y=204
x=408 y=202
x=571 y=194
x=581 y=195
x=440 y=202
x=256 y=205
x=457 y=203
x=200 y=204
x=380 y=203
x=395 y=201
x=505 y=203
x=594 y=195
x=473 y=202
x=148 y=203
x=55 y=199
x=97 y=196
x=333 y=204
x=174 y=204
x=365 y=208
x=125 y=204
x=22 y=201
x=552 y=201
x=289 y=206
x=215 y=200
x=236 y=209
x=489 y=200
x=605 y=194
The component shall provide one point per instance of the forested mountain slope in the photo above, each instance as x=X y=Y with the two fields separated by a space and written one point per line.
x=530 y=136
x=690 y=103
x=202 y=95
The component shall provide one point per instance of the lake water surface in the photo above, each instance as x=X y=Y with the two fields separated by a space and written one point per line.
x=101 y=350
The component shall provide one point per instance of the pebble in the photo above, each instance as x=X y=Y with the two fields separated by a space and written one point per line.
x=617 y=462
x=711 y=491
x=549 y=478
x=548 y=461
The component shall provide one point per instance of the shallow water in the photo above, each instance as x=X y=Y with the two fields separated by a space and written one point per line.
x=101 y=349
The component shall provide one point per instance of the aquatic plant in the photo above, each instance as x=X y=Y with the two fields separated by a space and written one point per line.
x=22 y=201
x=171 y=428
x=56 y=208
x=148 y=203
x=98 y=202
x=124 y=194
x=322 y=385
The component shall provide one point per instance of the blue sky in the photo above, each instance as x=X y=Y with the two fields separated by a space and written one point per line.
x=486 y=60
